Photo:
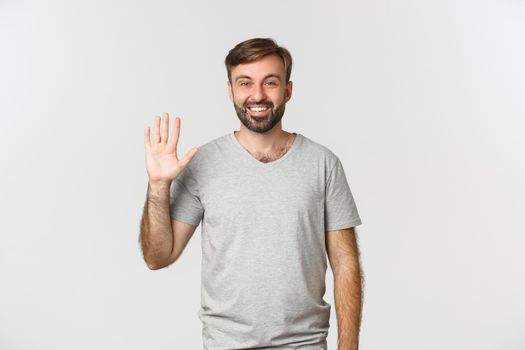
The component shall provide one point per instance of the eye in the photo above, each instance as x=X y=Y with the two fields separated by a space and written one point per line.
x=272 y=83
x=244 y=83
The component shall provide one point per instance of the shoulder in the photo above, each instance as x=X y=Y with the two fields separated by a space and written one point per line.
x=319 y=152
x=213 y=147
x=209 y=154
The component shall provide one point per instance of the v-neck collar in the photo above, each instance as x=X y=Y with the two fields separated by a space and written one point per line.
x=245 y=154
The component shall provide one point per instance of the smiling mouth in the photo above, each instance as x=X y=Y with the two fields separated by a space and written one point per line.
x=258 y=109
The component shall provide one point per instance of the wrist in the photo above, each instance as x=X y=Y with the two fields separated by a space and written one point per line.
x=159 y=184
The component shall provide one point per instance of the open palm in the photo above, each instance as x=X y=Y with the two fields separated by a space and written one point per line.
x=162 y=162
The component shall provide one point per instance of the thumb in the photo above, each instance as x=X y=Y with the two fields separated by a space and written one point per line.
x=188 y=156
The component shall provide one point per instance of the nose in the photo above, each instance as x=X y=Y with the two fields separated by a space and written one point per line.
x=258 y=93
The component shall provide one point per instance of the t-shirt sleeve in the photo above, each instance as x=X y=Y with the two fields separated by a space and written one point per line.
x=185 y=204
x=340 y=208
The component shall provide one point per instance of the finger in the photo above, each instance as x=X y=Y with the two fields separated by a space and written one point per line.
x=156 y=132
x=165 y=127
x=189 y=156
x=147 y=141
x=176 y=132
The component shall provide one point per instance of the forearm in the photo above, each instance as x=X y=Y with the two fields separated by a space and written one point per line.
x=156 y=237
x=348 y=302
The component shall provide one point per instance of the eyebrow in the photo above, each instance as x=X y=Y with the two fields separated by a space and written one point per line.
x=266 y=77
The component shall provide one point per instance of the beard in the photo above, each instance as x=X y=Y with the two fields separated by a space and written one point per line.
x=260 y=125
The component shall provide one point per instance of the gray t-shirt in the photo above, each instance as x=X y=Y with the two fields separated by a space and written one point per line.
x=263 y=241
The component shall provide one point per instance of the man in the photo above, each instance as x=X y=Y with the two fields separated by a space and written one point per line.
x=272 y=204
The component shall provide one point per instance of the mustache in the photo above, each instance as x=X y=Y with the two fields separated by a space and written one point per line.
x=262 y=103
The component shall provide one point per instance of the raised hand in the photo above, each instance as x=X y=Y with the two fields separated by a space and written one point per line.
x=162 y=162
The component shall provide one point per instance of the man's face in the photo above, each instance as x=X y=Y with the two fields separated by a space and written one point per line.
x=259 y=92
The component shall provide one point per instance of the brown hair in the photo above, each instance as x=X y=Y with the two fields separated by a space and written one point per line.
x=253 y=49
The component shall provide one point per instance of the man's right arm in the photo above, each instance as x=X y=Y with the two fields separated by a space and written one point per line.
x=162 y=239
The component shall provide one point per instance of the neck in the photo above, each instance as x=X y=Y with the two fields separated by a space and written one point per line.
x=269 y=141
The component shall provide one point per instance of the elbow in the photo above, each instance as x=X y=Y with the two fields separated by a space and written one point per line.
x=156 y=261
x=154 y=264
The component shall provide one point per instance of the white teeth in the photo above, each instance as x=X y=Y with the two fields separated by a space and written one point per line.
x=258 y=109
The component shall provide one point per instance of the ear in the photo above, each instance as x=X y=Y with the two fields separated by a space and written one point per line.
x=288 y=92
x=230 y=93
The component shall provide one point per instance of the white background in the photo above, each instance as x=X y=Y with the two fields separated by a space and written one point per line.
x=423 y=101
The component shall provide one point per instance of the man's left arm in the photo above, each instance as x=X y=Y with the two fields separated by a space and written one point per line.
x=343 y=254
